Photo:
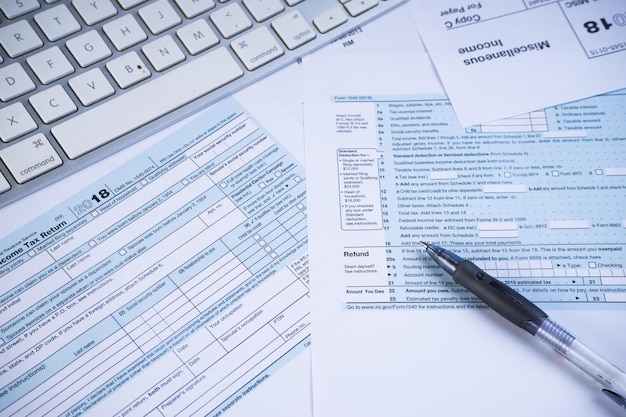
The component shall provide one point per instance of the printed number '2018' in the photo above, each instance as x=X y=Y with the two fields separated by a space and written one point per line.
x=80 y=209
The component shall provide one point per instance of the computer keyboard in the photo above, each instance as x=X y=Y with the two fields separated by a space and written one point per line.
x=82 y=79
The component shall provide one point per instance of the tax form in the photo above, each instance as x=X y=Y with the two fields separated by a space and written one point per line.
x=517 y=56
x=270 y=379
x=536 y=200
x=175 y=285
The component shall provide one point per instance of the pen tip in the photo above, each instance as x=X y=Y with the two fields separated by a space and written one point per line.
x=424 y=244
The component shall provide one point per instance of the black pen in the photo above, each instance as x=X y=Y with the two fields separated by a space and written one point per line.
x=520 y=311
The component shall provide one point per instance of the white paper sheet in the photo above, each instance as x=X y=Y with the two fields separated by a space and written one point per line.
x=387 y=166
x=501 y=58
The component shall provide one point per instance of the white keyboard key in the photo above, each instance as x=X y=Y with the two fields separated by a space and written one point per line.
x=88 y=48
x=263 y=9
x=19 y=38
x=57 y=23
x=50 y=65
x=15 y=121
x=52 y=104
x=128 y=4
x=94 y=11
x=148 y=101
x=14 y=82
x=91 y=87
x=17 y=8
x=331 y=19
x=230 y=20
x=128 y=69
x=30 y=158
x=257 y=48
x=293 y=29
x=293 y=2
x=159 y=16
x=197 y=36
x=163 y=53
x=4 y=184
x=193 y=8
x=124 y=32
x=356 y=7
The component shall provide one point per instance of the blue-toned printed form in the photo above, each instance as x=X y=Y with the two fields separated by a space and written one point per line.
x=537 y=200
x=176 y=284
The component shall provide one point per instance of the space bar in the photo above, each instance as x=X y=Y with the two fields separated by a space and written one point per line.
x=139 y=106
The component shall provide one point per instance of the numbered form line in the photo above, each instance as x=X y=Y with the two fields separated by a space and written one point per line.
x=545 y=274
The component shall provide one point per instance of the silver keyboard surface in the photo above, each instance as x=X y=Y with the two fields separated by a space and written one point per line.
x=82 y=79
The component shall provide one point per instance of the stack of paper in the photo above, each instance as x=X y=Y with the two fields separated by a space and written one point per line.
x=205 y=271
x=490 y=145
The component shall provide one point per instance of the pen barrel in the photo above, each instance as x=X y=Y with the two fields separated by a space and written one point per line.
x=500 y=297
x=594 y=365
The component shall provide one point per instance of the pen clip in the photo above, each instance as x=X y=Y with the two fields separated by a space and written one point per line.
x=621 y=401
